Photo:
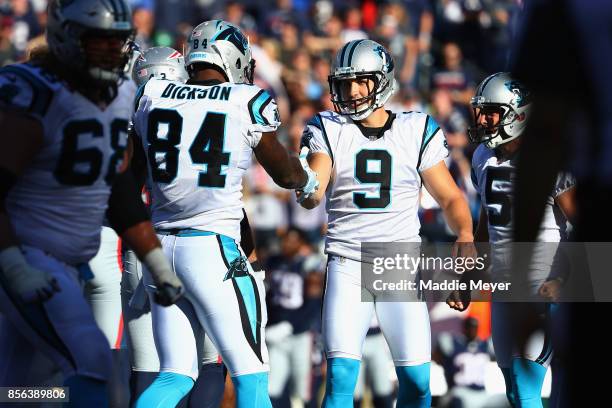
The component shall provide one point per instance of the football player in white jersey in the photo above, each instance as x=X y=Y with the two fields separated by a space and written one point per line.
x=169 y=64
x=65 y=119
x=501 y=110
x=198 y=139
x=371 y=164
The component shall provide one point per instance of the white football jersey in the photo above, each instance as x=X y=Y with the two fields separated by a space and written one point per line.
x=199 y=140
x=59 y=202
x=373 y=195
x=494 y=180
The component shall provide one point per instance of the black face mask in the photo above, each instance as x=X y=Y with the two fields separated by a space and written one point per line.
x=349 y=106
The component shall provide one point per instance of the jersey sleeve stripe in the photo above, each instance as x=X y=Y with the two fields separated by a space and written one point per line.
x=41 y=93
x=324 y=132
x=259 y=116
x=429 y=131
x=252 y=108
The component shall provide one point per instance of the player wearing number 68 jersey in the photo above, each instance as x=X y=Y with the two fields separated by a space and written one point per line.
x=371 y=164
x=198 y=139
x=64 y=117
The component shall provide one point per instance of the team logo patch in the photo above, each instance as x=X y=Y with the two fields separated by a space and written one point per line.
x=237 y=268
x=196 y=33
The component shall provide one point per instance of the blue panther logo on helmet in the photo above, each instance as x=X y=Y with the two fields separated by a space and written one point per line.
x=522 y=94
x=386 y=57
x=235 y=37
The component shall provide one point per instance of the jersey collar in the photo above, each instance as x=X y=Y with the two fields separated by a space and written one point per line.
x=376 y=132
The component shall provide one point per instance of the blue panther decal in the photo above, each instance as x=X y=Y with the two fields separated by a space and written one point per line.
x=523 y=96
x=386 y=57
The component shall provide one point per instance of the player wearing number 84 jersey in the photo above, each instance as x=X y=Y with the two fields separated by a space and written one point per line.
x=371 y=164
x=198 y=139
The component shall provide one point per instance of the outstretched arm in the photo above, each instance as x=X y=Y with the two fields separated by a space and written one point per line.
x=284 y=168
x=321 y=164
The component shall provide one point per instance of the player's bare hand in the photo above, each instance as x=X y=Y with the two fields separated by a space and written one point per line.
x=459 y=300
x=551 y=290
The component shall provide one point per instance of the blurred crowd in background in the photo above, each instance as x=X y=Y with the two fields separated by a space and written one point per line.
x=442 y=50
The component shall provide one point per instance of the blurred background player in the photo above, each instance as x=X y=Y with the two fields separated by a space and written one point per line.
x=375 y=370
x=198 y=139
x=464 y=358
x=354 y=151
x=60 y=177
x=501 y=111
x=294 y=310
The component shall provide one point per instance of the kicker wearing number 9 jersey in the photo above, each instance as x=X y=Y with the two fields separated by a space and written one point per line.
x=373 y=163
x=199 y=139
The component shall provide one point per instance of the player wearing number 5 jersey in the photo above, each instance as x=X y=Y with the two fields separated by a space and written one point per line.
x=502 y=106
x=371 y=164
x=64 y=118
x=198 y=139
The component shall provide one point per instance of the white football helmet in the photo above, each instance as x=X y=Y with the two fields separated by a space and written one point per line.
x=508 y=97
x=362 y=59
x=224 y=46
x=159 y=62
x=72 y=22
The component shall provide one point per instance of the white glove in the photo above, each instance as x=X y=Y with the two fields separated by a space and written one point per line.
x=312 y=184
x=29 y=284
x=168 y=287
